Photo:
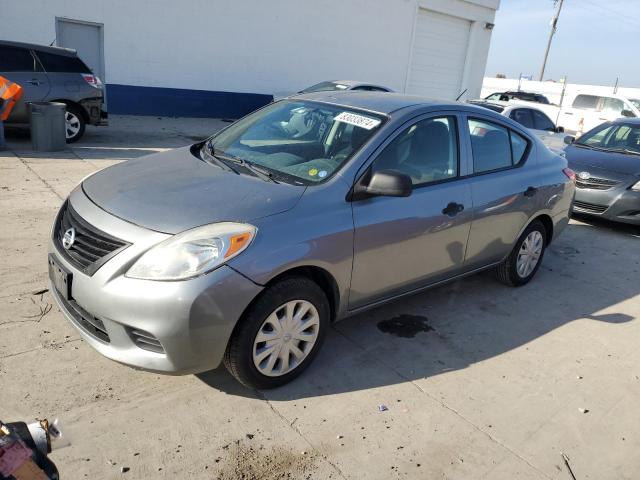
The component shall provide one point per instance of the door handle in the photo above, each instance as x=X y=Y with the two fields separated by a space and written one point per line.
x=35 y=81
x=530 y=192
x=453 y=209
x=568 y=113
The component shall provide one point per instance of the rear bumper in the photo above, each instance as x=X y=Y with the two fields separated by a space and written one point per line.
x=618 y=205
x=93 y=107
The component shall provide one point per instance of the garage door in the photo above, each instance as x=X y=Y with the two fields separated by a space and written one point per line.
x=439 y=55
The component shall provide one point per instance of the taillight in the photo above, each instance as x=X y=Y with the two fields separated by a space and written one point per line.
x=92 y=80
x=571 y=175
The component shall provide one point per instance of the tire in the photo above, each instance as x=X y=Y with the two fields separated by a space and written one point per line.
x=507 y=272
x=75 y=123
x=243 y=357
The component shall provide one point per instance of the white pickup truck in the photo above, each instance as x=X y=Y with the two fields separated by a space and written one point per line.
x=588 y=111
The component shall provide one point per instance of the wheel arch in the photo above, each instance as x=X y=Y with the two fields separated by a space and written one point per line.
x=83 y=111
x=547 y=222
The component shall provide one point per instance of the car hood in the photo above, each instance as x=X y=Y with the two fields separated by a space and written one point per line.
x=174 y=191
x=614 y=162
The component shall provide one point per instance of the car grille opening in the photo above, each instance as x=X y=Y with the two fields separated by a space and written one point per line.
x=87 y=322
x=91 y=247
x=589 y=207
x=594 y=183
x=145 y=340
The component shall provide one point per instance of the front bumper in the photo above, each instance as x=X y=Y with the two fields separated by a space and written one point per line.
x=616 y=204
x=190 y=320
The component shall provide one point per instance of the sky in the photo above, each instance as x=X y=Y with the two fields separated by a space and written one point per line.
x=596 y=41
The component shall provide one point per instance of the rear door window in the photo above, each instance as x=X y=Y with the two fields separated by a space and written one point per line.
x=612 y=105
x=588 y=102
x=13 y=59
x=522 y=116
x=542 y=122
x=495 y=147
x=62 y=63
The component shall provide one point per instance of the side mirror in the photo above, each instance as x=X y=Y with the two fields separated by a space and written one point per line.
x=384 y=183
x=559 y=130
x=569 y=139
x=627 y=113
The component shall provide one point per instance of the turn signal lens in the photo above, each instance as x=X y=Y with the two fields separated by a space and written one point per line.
x=237 y=243
x=571 y=175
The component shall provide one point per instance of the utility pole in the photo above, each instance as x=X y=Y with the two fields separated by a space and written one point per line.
x=554 y=25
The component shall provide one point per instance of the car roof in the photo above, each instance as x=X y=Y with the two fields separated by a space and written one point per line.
x=387 y=103
x=630 y=121
x=68 y=52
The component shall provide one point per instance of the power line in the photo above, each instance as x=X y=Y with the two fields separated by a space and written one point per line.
x=602 y=10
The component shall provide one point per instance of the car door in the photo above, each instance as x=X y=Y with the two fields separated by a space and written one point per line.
x=504 y=188
x=401 y=243
x=546 y=130
x=20 y=66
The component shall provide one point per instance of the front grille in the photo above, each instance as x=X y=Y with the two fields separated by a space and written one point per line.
x=87 y=322
x=589 y=207
x=596 y=183
x=145 y=340
x=91 y=247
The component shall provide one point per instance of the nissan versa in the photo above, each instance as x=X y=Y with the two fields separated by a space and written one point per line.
x=244 y=248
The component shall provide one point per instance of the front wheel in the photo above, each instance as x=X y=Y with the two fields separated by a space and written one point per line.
x=525 y=258
x=74 y=124
x=279 y=335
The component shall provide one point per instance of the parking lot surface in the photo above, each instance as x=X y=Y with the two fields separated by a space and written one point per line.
x=479 y=381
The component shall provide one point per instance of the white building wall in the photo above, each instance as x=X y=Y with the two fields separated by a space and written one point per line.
x=251 y=45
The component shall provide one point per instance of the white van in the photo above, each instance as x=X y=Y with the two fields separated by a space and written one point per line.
x=588 y=111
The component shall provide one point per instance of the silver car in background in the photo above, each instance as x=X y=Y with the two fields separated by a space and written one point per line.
x=53 y=74
x=244 y=248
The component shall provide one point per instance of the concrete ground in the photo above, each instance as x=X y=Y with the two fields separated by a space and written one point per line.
x=503 y=382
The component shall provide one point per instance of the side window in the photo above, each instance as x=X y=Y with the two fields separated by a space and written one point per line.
x=612 y=105
x=522 y=116
x=14 y=59
x=542 y=122
x=427 y=151
x=495 y=147
x=494 y=96
x=589 y=102
x=62 y=63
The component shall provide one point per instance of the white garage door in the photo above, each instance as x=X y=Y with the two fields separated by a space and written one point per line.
x=439 y=55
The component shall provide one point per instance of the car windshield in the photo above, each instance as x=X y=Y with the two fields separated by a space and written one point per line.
x=619 y=137
x=325 y=87
x=295 y=141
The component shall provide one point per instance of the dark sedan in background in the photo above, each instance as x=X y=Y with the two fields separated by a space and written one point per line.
x=607 y=165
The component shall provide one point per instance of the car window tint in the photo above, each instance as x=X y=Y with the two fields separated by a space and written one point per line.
x=427 y=151
x=494 y=147
x=613 y=105
x=586 y=101
x=16 y=60
x=522 y=116
x=62 y=63
x=541 y=121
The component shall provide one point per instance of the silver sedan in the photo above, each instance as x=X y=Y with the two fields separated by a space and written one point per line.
x=243 y=249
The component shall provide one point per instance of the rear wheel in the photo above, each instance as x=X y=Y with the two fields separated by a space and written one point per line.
x=279 y=335
x=74 y=123
x=525 y=258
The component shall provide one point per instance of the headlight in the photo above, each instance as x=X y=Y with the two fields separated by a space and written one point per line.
x=193 y=252
x=636 y=187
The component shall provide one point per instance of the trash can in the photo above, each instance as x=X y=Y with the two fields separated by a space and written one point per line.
x=48 y=126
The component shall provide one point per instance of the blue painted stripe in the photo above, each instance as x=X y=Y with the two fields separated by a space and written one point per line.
x=178 y=102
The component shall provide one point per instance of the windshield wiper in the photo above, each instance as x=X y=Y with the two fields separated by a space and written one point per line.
x=220 y=162
x=623 y=150
x=264 y=174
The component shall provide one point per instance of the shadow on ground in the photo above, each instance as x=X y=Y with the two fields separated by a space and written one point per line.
x=468 y=321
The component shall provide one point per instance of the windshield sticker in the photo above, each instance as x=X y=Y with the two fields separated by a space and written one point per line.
x=313 y=172
x=358 y=120
x=322 y=173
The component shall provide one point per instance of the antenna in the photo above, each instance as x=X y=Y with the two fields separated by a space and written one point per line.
x=463 y=92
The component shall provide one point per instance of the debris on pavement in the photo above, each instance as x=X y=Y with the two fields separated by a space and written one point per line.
x=566 y=462
x=382 y=408
x=124 y=469
x=583 y=410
